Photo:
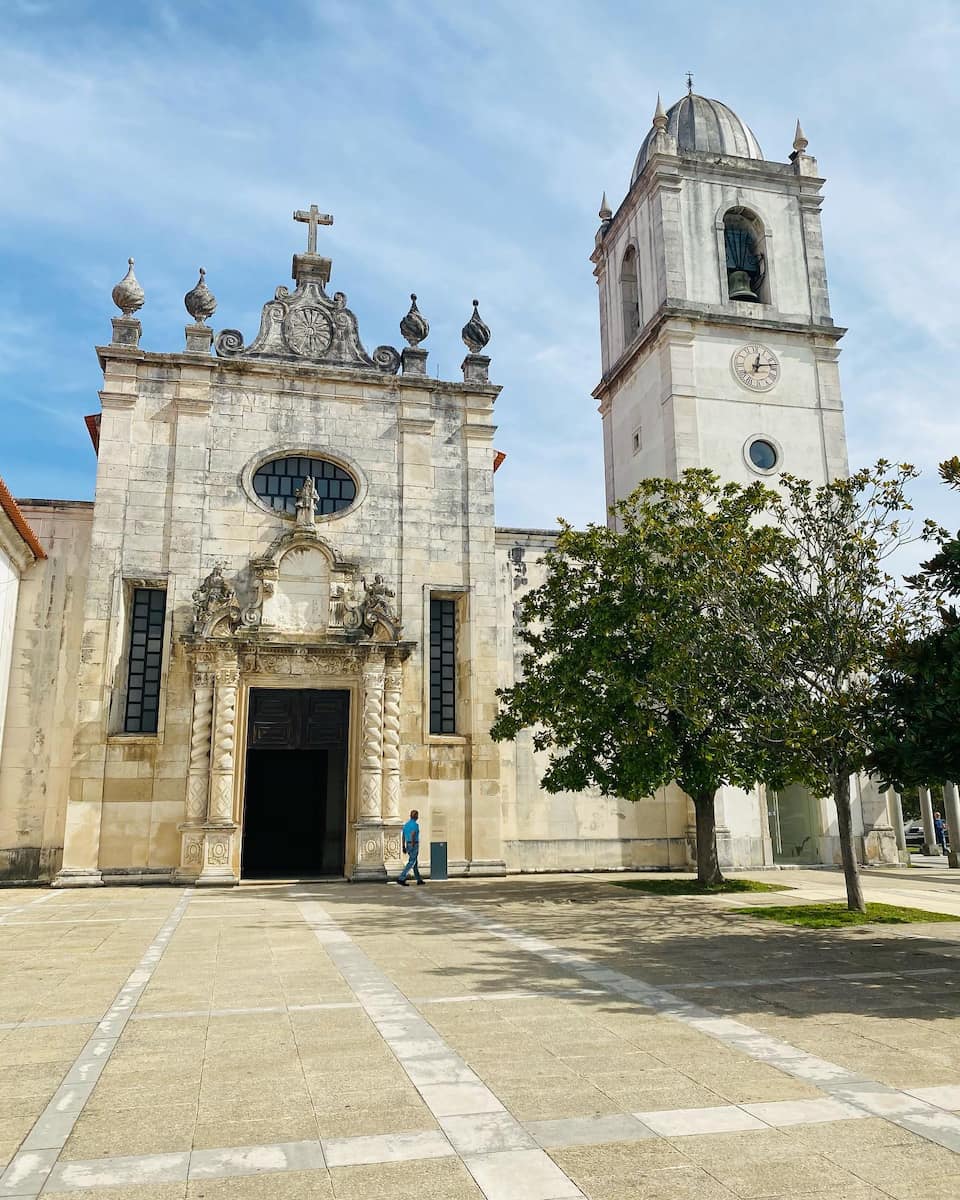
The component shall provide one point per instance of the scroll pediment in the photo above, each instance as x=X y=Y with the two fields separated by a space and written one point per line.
x=307 y=326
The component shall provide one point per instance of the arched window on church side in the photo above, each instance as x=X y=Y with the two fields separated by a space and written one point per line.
x=744 y=251
x=630 y=294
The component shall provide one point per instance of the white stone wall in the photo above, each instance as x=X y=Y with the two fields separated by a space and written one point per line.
x=569 y=830
x=41 y=710
x=179 y=438
x=9 y=590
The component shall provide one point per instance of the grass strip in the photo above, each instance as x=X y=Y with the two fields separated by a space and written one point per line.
x=836 y=916
x=690 y=887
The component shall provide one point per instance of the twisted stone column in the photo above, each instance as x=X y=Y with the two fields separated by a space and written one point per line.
x=371 y=758
x=224 y=744
x=198 y=777
x=393 y=680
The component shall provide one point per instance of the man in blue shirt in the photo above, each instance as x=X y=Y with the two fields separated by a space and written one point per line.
x=411 y=847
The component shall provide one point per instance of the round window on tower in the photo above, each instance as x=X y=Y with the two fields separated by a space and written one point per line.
x=276 y=482
x=762 y=454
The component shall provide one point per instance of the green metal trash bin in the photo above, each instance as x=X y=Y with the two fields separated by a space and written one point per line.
x=438 y=860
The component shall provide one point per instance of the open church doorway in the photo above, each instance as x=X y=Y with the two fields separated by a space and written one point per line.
x=295 y=797
x=792 y=814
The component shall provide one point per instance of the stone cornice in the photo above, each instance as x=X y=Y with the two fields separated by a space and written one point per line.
x=226 y=370
x=667 y=171
x=703 y=315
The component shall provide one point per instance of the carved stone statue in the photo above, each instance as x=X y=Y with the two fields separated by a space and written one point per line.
x=307 y=497
x=379 y=617
x=371 y=614
x=213 y=601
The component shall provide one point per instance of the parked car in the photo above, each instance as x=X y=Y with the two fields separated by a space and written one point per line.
x=913 y=831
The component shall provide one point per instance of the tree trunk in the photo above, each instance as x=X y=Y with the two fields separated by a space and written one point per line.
x=708 y=865
x=851 y=868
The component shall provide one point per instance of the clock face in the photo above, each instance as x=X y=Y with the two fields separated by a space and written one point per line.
x=756 y=367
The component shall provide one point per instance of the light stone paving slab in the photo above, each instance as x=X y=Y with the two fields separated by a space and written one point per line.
x=528 y=1174
x=128 y=1171
x=18 y=908
x=588 y=1131
x=945 y=1096
x=254 y=1160
x=483 y=1133
x=520 y=1175
x=684 y=1122
x=781 y=1113
x=27 y=1171
x=383 y=1148
x=874 y=1098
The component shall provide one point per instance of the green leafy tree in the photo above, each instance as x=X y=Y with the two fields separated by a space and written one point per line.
x=916 y=735
x=646 y=647
x=839 y=610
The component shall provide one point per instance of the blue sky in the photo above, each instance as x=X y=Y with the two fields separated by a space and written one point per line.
x=463 y=150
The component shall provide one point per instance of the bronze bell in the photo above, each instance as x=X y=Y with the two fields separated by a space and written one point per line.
x=740 y=289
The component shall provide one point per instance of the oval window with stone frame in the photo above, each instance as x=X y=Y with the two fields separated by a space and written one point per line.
x=278 y=480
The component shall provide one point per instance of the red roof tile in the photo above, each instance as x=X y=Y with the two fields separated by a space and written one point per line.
x=19 y=522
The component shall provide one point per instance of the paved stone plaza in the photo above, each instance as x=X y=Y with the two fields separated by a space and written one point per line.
x=519 y=1039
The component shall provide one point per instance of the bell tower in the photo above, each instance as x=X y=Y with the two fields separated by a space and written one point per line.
x=718 y=347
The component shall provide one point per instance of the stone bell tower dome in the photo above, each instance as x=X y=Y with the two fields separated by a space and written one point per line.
x=718 y=346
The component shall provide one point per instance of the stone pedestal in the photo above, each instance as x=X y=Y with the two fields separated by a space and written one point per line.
x=199 y=338
x=77 y=877
x=476 y=368
x=369 y=852
x=414 y=361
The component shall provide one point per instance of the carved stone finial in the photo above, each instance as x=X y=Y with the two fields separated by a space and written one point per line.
x=128 y=294
x=200 y=302
x=800 y=142
x=476 y=333
x=414 y=325
x=659 y=116
x=605 y=214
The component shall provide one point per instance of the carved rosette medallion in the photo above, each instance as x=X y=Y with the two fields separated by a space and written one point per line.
x=308 y=332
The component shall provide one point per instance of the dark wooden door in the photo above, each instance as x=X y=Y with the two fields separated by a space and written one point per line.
x=295 y=800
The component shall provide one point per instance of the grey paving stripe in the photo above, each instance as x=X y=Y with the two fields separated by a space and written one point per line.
x=469 y=1135
x=27 y=1171
x=494 y=1147
x=175 y=1014
x=907 y=1111
x=18 y=908
x=768 y=980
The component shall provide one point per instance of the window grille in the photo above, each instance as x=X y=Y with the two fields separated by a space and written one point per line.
x=144 y=660
x=443 y=666
x=276 y=483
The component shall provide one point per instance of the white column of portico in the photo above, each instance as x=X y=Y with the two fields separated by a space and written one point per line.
x=896 y=816
x=951 y=808
x=930 y=846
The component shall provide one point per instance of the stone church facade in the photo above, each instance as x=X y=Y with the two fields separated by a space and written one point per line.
x=282 y=622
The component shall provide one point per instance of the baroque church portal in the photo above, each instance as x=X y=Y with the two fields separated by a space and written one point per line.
x=283 y=619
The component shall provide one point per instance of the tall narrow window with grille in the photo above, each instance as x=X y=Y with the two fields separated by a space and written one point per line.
x=443 y=665
x=144 y=660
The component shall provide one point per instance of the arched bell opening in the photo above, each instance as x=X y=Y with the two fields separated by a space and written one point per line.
x=745 y=257
x=630 y=294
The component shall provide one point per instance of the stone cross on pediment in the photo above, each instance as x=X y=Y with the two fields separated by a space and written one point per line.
x=312 y=218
